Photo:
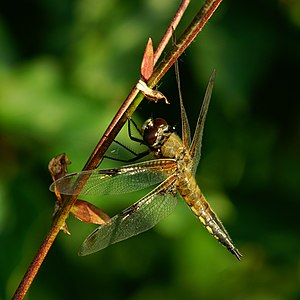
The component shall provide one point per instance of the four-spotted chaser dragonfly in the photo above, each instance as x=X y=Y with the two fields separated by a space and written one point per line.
x=173 y=169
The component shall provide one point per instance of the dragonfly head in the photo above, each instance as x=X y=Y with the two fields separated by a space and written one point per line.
x=155 y=132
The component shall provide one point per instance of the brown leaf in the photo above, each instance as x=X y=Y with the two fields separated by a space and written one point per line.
x=87 y=212
x=152 y=95
x=148 y=61
x=82 y=210
x=58 y=166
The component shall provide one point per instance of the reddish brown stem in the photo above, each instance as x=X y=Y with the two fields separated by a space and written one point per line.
x=36 y=263
x=187 y=37
x=129 y=105
x=168 y=34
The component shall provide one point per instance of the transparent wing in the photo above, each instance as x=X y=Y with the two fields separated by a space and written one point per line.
x=117 y=181
x=195 y=149
x=139 y=217
x=185 y=127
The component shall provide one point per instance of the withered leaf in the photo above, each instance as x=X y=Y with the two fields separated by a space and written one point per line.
x=87 y=212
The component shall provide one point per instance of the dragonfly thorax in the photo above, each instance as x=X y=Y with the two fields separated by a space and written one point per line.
x=156 y=132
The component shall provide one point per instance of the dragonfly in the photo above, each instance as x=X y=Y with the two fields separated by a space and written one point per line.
x=172 y=171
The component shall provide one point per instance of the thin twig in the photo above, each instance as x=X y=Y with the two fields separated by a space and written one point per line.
x=184 y=41
x=168 y=34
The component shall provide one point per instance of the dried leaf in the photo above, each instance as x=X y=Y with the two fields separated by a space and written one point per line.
x=87 y=212
x=148 y=61
x=152 y=95
x=58 y=166
x=82 y=210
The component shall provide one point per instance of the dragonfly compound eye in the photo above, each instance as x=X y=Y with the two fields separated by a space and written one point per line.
x=155 y=131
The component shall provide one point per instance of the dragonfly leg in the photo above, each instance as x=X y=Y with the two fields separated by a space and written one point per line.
x=135 y=139
x=137 y=156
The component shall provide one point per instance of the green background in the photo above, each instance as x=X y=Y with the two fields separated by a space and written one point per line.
x=66 y=67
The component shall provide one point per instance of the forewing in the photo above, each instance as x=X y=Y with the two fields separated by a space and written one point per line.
x=117 y=181
x=195 y=149
x=139 y=217
x=185 y=127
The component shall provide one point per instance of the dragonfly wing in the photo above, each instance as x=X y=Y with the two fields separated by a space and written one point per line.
x=117 y=181
x=185 y=127
x=195 y=149
x=139 y=217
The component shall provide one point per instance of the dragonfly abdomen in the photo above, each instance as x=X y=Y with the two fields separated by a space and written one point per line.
x=191 y=193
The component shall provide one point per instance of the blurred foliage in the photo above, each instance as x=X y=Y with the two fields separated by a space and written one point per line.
x=65 y=68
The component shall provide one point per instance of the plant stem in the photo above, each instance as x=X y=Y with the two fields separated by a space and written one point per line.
x=38 y=259
x=168 y=34
x=184 y=41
